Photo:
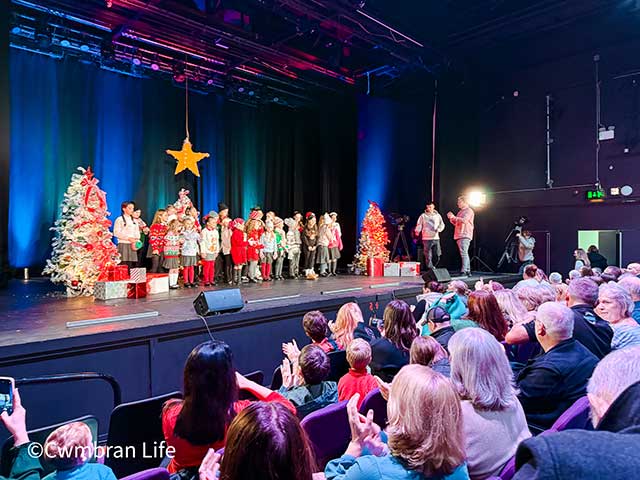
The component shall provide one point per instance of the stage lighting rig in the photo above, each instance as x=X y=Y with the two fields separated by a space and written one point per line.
x=476 y=198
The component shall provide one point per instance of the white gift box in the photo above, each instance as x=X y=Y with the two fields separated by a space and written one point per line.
x=391 y=269
x=110 y=290
x=409 y=269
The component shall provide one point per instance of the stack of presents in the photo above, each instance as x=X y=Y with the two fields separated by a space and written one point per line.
x=377 y=267
x=118 y=281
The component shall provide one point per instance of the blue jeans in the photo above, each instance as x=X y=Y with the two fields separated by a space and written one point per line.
x=463 y=247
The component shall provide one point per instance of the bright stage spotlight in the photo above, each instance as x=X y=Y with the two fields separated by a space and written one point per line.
x=476 y=198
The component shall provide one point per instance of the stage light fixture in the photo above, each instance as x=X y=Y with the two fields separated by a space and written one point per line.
x=276 y=99
x=155 y=67
x=16 y=30
x=136 y=61
x=241 y=89
x=65 y=43
x=476 y=198
x=626 y=190
x=251 y=93
x=84 y=47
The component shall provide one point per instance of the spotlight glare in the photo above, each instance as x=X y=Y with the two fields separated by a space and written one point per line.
x=65 y=43
x=137 y=62
x=84 y=48
x=241 y=89
x=276 y=99
x=626 y=190
x=155 y=67
x=16 y=30
x=476 y=198
x=210 y=81
x=252 y=93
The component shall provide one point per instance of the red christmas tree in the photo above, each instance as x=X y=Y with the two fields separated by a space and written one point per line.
x=373 y=238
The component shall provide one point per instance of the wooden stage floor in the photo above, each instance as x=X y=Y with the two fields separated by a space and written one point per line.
x=37 y=311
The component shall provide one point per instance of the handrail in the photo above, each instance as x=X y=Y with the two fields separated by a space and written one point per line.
x=73 y=377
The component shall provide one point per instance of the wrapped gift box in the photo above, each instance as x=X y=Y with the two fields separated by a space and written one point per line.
x=115 y=273
x=375 y=267
x=136 y=290
x=109 y=290
x=157 y=283
x=138 y=275
x=391 y=269
x=409 y=269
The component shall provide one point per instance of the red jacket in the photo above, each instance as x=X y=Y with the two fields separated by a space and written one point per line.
x=253 y=250
x=156 y=237
x=238 y=247
x=356 y=381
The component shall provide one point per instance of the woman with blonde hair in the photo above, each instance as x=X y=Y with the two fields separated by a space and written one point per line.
x=424 y=433
x=512 y=307
x=492 y=417
x=348 y=325
x=582 y=259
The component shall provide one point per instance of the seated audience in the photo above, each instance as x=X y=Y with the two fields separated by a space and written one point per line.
x=200 y=421
x=512 y=308
x=529 y=278
x=264 y=441
x=573 y=274
x=596 y=259
x=553 y=381
x=305 y=383
x=611 y=451
x=316 y=328
x=492 y=417
x=632 y=285
x=582 y=260
x=349 y=324
x=586 y=272
x=424 y=434
x=634 y=268
x=439 y=324
x=613 y=271
x=22 y=463
x=357 y=379
x=460 y=288
x=533 y=297
x=615 y=306
x=485 y=312
x=555 y=278
x=391 y=352
x=431 y=292
x=428 y=352
x=561 y=291
x=68 y=449
x=588 y=329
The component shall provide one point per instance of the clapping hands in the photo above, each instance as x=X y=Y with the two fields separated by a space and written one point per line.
x=291 y=350
x=210 y=467
x=290 y=375
x=364 y=432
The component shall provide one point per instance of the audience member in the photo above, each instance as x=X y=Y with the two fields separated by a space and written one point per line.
x=264 y=441
x=357 y=379
x=596 y=259
x=350 y=324
x=533 y=297
x=615 y=306
x=391 y=352
x=529 y=277
x=561 y=291
x=485 y=312
x=632 y=285
x=582 y=260
x=573 y=274
x=199 y=422
x=428 y=352
x=431 y=292
x=634 y=268
x=614 y=393
x=512 y=308
x=439 y=324
x=553 y=381
x=586 y=272
x=68 y=449
x=555 y=278
x=460 y=288
x=614 y=271
x=316 y=328
x=304 y=383
x=493 y=419
x=424 y=434
x=22 y=463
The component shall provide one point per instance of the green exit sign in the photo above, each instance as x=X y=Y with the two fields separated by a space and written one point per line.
x=595 y=195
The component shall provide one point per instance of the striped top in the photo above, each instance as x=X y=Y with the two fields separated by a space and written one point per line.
x=625 y=336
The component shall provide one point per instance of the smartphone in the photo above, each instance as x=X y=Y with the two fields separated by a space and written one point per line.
x=7 y=385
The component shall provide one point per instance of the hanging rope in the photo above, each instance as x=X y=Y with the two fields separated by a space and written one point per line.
x=186 y=105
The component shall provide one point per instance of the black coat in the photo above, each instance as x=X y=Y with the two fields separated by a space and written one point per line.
x=387 y=359
x=553 y=381
x=611 y=452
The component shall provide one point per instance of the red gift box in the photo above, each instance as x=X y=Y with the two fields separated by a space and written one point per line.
x=375 y=267
x=115 y=273
x=136 y=290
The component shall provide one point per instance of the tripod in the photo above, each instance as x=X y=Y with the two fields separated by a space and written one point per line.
x=479 y=261
x=510 y=254
x=400 y=235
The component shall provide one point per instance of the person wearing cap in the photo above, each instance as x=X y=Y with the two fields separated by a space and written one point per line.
x=429 y=226
x=438 y=321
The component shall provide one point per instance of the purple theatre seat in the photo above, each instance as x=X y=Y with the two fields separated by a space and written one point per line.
x=374 y=401
x=509 y=470
x=576 y=416
x=151 y=474
x=328 y=431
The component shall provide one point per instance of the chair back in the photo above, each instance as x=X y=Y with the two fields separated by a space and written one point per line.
x=40 y=435
x=136 y=425
x=150 y=474
x=339 y=365
x=509 y=470
x=328 y=431
x=276 y=379
x=576 y=416
x=258 y=377
x=374 y=401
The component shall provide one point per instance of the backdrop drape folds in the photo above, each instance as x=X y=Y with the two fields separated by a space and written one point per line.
x=65 y=114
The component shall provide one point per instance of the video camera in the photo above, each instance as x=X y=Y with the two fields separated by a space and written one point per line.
x=519 y=223
x=398 y=219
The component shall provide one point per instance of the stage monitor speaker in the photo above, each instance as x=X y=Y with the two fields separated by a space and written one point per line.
x=436 y=275
x=214 y=302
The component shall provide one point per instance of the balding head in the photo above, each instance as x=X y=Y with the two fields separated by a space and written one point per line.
x=554 y=324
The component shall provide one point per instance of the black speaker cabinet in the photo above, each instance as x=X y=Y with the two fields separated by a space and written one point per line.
x=214 y=302
x=436 y=275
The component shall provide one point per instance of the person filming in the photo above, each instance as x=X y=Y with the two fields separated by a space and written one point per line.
x=429 y=226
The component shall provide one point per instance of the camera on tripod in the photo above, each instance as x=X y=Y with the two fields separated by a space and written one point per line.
x=398 y=219
x=519 y=223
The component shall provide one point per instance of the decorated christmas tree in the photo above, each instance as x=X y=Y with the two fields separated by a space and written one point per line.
x=373 y=238
x=82 y=246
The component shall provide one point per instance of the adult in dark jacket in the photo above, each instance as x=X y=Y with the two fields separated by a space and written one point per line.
x=596 y=259
x=553 y=381
x=24 y=465
x=588 y=328
x=614 y=395
x=391 y=352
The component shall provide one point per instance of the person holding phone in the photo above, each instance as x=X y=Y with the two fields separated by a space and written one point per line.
x=24 y=466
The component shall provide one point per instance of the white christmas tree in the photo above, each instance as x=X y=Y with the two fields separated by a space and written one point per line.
x=82 y=245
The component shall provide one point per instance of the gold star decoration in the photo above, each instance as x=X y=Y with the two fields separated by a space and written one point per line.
x=187 y=158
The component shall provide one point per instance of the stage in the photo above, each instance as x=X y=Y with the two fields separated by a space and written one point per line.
x=42 y=332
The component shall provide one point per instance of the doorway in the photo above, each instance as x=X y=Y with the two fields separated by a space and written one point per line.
x=607 y=241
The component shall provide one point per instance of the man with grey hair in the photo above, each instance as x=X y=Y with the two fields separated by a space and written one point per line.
x=555 y=278
x=553 y=381
x=632 y=285
x=573 y=274
x=614 y=395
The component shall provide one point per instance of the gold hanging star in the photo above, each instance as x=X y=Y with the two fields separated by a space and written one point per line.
x=187 y=158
